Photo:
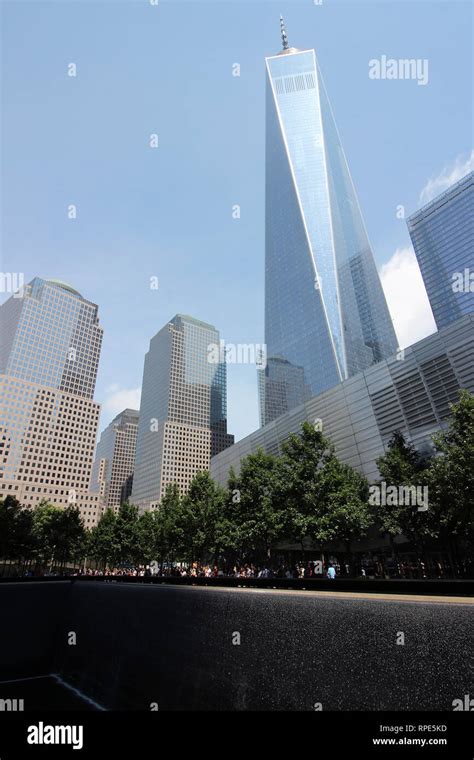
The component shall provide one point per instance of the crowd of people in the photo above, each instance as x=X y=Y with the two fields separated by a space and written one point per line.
x=372 y=567
x=408 y=568
x=197 y=570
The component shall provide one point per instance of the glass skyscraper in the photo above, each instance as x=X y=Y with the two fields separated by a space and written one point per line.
x=183 y=414
x=49 y=355
x=281 y=387
x=51 y=336
x=325 y=310
x=442 y=234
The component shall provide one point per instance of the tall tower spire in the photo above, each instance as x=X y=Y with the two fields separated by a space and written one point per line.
x=317 y=255
x=284 y=37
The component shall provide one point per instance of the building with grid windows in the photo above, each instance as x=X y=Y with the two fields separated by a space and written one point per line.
x=325 y=310
x=183 y=414
x=410 y=391
x=49 y=355
x=442 y=233
x=112 y=474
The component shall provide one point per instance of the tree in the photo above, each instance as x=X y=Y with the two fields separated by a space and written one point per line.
x=402 y=465
x=101 y=539
x=343 y=510
x=255 y=505
x=451 y=476
x=125 y=535
x=304 y=456
x=72 y=536
x=402 y=462
x=46 y=532
x=147 y=530
x=326 y=500
x=23 y=543
x=228 y=539
x=9 y=509
x=200 y=511
x=169 y=530
x=16 y=541
x=59 y=535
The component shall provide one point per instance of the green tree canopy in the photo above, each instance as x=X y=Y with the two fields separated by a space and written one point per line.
x=169 y=527
x=147 y=538
x=255 y=509
x=403 y=465
x=325 y=499
x=451 y=473
x=102 y=539
x=343 y=512
x=200 y=510
x=125 y=536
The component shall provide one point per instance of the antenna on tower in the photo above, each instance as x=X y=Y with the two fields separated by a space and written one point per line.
x=284 y=37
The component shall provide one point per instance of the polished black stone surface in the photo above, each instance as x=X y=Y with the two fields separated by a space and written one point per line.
x=43 y=694
x=175 y=648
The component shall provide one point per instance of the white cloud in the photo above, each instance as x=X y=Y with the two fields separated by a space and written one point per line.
x=450 y=174
x=117 y=399
x=406 y=297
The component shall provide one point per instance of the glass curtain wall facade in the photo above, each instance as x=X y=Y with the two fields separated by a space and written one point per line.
x=280 y=388
x=51 y=336
x=325 y=310
x=442 y=233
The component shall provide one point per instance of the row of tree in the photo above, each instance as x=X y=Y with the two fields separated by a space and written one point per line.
x=307 y=492
x=46 y=536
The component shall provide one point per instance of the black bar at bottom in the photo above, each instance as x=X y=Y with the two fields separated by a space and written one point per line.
x=328 y=734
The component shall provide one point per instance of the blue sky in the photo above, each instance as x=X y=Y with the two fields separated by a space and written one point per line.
x=167 y=212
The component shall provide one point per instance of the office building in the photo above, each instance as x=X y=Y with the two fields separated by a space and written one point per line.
x=112 y=474
x=442 y=233
x=49 y=355
x=325 y=310
x=183 y=416
x=281 y=386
